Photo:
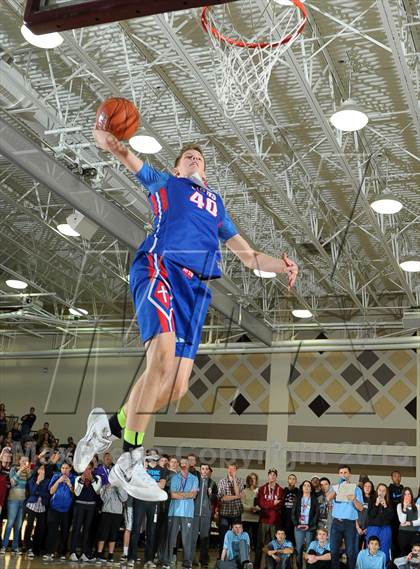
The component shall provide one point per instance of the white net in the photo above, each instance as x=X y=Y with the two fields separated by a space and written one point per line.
x=249 y=37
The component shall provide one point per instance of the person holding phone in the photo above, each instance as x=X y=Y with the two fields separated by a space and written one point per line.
x=61 y=489
x=15 y=503
x=305 y=519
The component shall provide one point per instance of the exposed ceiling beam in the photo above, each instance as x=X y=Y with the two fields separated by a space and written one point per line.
x=26 y=154
x=395 y=43
x=351 y=176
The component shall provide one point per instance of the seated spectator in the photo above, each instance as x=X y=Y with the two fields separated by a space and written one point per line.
x=371 y=557
x=305 y=517
x=8 y=440
x=45 y=435
x=36 y=507
x=113 y=500
x=408 y=515
x=236 y=549
x=3 y=424
x=318 y=554
x=278 y=551
x=27 y=422
x=15 y=503
x=16 y=433
x=86 y=490
x=61 y=489
x=380 y=517
x=410 y=561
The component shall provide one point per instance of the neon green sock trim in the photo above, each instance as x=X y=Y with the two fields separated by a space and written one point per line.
x=133 y=437
x=122 y=419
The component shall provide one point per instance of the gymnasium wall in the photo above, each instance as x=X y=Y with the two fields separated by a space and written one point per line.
x=304 y=414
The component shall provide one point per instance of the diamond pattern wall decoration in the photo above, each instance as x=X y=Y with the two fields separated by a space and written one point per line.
x=335 y=390
x=201 y=360
x=294 y=374
x=319 y=406
x=412 y=408
x=367 y=358
x=400 y=391
x=351 y=374
x=198 y=388
x=367 y=390
x=266 y=374
x=350 y=406
x=383 y=374
x=383 y=407
x=240 y=404
x=213 y=374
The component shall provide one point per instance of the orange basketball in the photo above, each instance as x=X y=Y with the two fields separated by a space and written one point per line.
x=119 y=116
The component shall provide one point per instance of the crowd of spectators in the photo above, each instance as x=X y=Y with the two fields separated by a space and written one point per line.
x=55 y=512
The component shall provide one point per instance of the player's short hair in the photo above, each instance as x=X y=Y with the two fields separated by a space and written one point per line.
x=185 y=149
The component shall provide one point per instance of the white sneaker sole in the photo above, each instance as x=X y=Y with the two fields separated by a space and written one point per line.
x=122 y=476
x=97 y=439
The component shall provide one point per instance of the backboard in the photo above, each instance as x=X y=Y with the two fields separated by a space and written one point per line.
x=44 y=16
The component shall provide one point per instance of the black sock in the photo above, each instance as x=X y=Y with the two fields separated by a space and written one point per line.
x=115 y=427
x=130 y=446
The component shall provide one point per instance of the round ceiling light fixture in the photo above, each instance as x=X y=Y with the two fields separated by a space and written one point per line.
x=264 y=274
x=66 y=229
x=349 y=117
x=302 y=313
x=410 y=263
x=78 y=312
x=386 y=204
x=145 y=144
x=45 y=41
x=14 y=283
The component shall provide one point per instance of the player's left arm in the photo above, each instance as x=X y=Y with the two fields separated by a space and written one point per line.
x=256 y=260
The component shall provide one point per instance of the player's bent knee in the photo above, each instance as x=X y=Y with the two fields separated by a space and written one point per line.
x=180 y=389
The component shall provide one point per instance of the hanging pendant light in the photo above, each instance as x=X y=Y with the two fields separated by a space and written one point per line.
x=349 y=117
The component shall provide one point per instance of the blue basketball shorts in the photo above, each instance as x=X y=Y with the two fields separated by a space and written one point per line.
x=169 y=298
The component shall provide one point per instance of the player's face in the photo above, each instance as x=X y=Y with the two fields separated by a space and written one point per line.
x=191 y=162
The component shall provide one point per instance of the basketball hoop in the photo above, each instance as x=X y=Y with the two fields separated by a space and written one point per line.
x=248 y=42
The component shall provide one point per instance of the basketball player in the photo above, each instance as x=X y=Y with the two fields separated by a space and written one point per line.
x=168 y=284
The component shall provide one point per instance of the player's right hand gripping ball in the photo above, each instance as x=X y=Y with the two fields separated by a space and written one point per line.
x=118 y=116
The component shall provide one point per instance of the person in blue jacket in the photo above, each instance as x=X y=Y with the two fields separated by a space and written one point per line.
x=36 y=507
x=61 y=489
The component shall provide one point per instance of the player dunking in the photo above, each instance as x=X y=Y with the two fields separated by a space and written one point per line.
x=168 y=284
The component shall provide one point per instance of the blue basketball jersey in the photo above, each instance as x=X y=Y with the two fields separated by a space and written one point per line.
x=190 y=219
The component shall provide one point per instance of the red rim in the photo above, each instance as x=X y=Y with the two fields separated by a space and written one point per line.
x=252 y=45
